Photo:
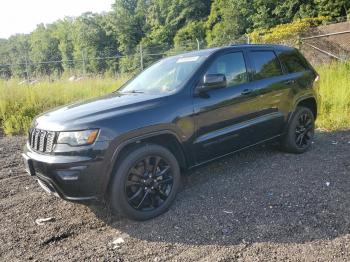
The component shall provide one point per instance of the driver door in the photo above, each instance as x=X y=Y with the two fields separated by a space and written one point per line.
x=225 y=117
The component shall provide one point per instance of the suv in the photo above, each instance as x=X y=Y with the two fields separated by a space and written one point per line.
x=130 y=147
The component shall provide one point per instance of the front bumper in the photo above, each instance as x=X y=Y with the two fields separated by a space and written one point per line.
x=77 y=176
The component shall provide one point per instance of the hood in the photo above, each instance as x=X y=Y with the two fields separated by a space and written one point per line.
x=84 y=114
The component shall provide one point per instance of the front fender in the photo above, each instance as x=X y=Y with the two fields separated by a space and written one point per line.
x=118 y=144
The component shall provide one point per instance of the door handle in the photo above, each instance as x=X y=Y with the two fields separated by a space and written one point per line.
x=246 y=91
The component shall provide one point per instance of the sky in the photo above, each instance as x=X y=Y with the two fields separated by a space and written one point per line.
x=22 y=16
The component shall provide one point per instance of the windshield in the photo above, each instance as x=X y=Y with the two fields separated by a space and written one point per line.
x=165 y=76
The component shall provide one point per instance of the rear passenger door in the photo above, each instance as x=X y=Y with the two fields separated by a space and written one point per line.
x=271 y=89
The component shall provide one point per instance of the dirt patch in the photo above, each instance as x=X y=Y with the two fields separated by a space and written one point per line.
x=260 y=204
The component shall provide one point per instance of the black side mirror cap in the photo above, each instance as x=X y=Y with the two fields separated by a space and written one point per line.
x=212 y=81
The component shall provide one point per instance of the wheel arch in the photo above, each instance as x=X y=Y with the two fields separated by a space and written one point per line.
x=310 y=103
x=306 y=101
x=167 y=139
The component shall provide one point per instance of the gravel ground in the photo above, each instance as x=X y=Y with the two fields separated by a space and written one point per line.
x=258 y=205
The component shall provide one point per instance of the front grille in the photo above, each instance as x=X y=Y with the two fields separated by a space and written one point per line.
x=41 y=140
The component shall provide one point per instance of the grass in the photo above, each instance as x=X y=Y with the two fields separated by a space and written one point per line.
x=20 y=103
x=334 y=90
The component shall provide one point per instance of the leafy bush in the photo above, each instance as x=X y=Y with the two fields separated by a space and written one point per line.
x=285 y=33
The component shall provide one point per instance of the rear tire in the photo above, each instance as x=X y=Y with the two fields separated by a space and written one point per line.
x=300 y=132
x=145 y=182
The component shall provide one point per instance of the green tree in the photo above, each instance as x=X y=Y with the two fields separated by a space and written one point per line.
x=110 y=46
x=334 y=8
x=187 y=37
x=91 y=43
x=19 y=48
x=228 y=20
x=129 y=23
x=171 y=22
x=288 y=10
x=264 y=15
x=166 y=17
x=5 y=59
x=44 y=51
x=63 y=31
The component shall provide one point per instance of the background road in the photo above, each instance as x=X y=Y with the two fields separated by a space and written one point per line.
x=260 y=204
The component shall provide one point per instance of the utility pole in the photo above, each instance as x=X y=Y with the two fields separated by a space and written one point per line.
x=198 y=47
x=27 y=70
x=299 y=42
x=84 y=65
x=141 y=57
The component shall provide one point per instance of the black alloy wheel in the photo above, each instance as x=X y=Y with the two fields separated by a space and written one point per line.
x=149 y=183
x=145 y=182
x=304 y=130
x=300 y=131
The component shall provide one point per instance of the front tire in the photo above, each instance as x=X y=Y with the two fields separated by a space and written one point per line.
x=145 y=183
x=300 y=132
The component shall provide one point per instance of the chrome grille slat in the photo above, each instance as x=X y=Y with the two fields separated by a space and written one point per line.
x=50 y=141
x=41 y=140
x=32 y=138
x=36 y=139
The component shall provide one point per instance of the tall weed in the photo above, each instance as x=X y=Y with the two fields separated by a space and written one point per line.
x=335 y=96
x=19 y=104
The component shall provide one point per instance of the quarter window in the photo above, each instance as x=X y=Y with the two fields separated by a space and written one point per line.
x=233 y=66
x=292 y=62
x=266 y=64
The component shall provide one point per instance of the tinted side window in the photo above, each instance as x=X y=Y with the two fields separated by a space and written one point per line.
x=266 y=64
x=292 y=62
x=232 y=65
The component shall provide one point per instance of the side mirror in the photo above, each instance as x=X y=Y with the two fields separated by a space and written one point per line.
x=212 y=81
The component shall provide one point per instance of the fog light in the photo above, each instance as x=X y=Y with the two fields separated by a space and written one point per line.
x=68 y=175
x=71 y=174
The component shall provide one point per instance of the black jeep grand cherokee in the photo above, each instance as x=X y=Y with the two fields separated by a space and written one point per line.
x=129 y=147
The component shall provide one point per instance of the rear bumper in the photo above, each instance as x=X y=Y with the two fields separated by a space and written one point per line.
x=77 y=177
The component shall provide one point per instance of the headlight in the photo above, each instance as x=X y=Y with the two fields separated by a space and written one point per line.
x=78 y=138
